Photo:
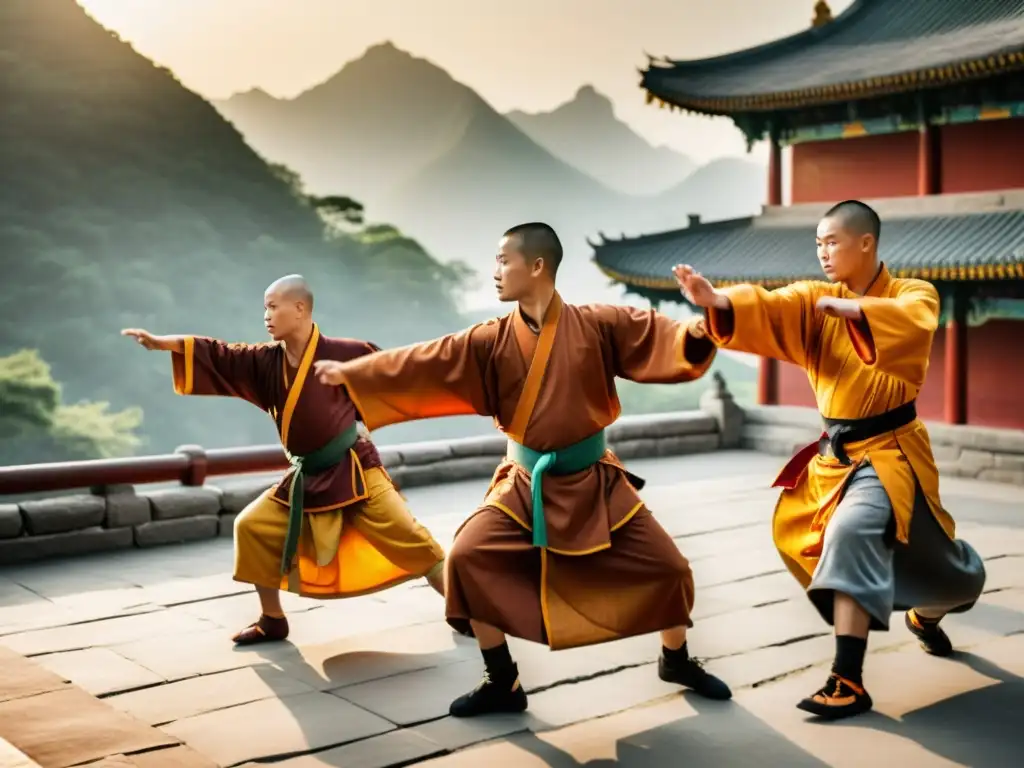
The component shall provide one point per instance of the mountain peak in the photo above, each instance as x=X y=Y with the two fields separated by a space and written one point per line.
x=590 y=101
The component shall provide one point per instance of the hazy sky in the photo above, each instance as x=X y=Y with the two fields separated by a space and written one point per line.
x=523 y=54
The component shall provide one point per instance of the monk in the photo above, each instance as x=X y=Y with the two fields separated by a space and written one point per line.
x=859 y=522
x=335 y=525
x=562 y=551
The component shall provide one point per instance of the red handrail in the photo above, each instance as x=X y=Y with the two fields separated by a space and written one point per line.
x=189 y=465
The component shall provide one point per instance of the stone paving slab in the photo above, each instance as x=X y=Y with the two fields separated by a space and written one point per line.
x=366 y=682
x=69 y=727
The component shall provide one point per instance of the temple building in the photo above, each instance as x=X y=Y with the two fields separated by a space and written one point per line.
x=914 y=106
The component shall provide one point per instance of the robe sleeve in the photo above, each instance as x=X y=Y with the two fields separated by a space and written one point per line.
x=444 y=377
x=895 y=334
x=211 y=367
x=651 y=348
x=774 y=324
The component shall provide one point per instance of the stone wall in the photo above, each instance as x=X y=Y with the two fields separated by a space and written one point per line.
x=982 y=453
x=122 y=517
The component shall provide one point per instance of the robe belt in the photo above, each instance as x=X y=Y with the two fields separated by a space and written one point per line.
x=565 y=461
x=322 y=459
x=839 y=432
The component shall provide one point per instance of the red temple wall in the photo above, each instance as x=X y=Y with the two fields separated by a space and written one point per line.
x=981 y=156
x=863 y=167
x=974 y=157
x=995 y=353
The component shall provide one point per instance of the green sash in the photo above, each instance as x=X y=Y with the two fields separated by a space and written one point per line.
x=565 y=461
x=320 y=460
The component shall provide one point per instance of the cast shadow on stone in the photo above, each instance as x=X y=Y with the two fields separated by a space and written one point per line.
x=980 y=728
x=720 y=734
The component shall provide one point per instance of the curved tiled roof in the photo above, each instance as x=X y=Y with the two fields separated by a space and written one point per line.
x=874 y=47
x=977 y=246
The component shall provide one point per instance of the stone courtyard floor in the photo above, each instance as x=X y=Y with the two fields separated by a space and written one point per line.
x=125 y=659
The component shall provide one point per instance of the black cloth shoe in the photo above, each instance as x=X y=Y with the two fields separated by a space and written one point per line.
x=837 y=699
x=492 y=697
x=690 y=673
x=929 y=634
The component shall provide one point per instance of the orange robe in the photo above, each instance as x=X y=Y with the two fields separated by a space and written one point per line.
x=857 y=370
x=609 y=570
x=381 y=544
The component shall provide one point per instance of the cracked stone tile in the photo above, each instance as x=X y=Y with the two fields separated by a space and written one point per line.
x=745 y=630
x=122 y=629
x=20 y=677
x=724 y=570
x=69 y=727
x=395 y=748
x=186 y=590
x=354 y=660
x=13 y=595
x=763 y=664
x=749 y=539
x=200 y=653
x=99 y=671
x=454 y=733
x=195 y=696
x=414 y=696
x=277 y=727
x=237 y=611
x=1004 y=572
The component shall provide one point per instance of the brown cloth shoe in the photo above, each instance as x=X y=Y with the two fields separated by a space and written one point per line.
x=267 y=630
x=837 y=699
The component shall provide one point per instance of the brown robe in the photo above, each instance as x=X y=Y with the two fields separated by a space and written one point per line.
x=308 y=414
x=610 y=570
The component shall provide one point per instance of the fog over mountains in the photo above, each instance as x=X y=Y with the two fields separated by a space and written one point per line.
x=429 y=154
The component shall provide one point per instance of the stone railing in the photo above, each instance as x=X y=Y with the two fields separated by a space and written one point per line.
x=983 y=453
x=120 y=508
x=115 y=514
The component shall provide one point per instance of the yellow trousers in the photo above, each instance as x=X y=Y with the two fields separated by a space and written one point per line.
x=366 y=547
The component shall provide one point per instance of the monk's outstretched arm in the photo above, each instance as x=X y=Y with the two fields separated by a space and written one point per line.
x=208 y=366
x=774 y=324
x=894 y=335
x=652 y=348
x=443 y=377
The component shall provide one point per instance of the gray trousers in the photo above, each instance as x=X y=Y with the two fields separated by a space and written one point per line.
x=861 y=558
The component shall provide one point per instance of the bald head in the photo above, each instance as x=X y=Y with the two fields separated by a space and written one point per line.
x=288 y=307
x=857 y=218
x=292 y=288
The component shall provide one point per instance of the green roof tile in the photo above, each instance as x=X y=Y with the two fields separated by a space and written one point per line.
x=873 y=40
x=963 y=247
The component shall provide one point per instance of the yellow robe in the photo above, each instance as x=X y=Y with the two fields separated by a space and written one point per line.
x=857 y=369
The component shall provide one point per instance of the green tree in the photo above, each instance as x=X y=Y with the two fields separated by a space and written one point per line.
x=36 y=426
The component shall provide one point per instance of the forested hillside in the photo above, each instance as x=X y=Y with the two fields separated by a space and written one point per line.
x=129 y=201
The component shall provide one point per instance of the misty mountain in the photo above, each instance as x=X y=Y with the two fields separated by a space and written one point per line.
x=130 y=201
x=429 y=154
x=586 y=133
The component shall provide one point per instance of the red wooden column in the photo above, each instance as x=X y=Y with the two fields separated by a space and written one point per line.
x=928 y=153
x=768 y=369
x=774 y=172
x=955 y=405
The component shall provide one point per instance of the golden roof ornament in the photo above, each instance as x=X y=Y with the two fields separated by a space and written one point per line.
x=822 y=14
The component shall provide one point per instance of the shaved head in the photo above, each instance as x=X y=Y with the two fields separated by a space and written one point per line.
x=288 y=307
x=857 y=218
x=292 y=288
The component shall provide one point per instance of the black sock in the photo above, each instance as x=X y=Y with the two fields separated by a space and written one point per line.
x=924 y=621
x=679 y=656
x=498 y=661
x=849 y=661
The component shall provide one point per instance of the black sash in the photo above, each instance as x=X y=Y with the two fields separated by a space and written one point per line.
x=839 y=432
